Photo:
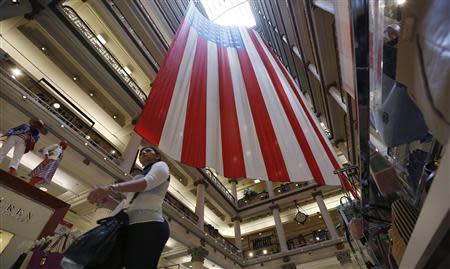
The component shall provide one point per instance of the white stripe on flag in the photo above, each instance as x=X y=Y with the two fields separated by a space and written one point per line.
x=296 y=164
x=213 y=133
x=322 y=160
x=254 y=162
x=172 y=134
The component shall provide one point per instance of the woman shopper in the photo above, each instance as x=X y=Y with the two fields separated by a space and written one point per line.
x=141 y=242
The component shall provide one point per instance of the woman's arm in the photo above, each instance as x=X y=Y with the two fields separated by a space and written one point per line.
x=108 y=202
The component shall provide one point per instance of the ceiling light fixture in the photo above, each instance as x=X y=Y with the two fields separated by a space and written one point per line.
x=401 y=2
x=114 y=116
x=91 y=94
x=16 y=72
x=113 y=152
x=101 y=39
x=257 y=181
x=56 y=105
x=250 y=254
x=127 y=70
x=75 y=78
x=265 y=251
x=87 y=137
x=43 y=189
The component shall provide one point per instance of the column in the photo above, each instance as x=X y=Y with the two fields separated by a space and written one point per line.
x=130 y=153
x=289 y=266
x=200 y=204
x=279 y=227
x=325 y=214
x=233 y=183
x=345 y=259
x=269 y=188
x=198 y=255
x=237 y=231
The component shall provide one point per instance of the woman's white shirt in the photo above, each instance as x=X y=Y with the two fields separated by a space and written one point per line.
x=148 y=205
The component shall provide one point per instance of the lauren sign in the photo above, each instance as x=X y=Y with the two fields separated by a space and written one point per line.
x=22 y=215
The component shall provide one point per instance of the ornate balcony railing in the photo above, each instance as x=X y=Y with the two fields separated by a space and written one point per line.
x=65 y=122
x=89 y=35
x=216 y=182
x=308 y=239
x=181 y=208
x=214 y=233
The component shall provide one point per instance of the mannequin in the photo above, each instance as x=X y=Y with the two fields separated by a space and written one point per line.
x=44 y=172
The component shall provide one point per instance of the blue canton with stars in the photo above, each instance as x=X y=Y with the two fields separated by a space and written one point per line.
x=223 y=36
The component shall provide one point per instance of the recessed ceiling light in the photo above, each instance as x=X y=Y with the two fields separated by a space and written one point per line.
x=16 y=72
x=113 y=152
x=127 y=69
x=101 y=39
x=62 y=125
x=265 y=251
x=114 y=116
x=91 y=94
x=250 y=254
x=24 y=96
x=44 y=48
x=56 y=105
x=75 y=78
x=86 y=144
x=87 y=137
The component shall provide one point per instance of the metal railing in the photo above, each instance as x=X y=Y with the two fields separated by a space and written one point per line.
x=185 y=212
x=253 y=198
x=209 y=229
x=216 y=182
x=95 y=43
x=288 y=187
x=63 y=121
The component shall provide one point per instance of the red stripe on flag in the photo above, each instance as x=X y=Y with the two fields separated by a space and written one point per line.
x=270 y=149
x=194 y=138
x=327 y=149
x=152 y=119
x=301 y=139
x=233 y=158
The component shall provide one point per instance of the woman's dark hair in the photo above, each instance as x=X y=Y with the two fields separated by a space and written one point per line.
x=153 y=148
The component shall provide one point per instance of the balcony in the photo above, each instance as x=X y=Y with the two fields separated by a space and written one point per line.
x=36 y=102
x=106 y=56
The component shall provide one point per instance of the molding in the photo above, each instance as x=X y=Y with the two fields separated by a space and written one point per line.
x=317 y=193
x=273 y=206
x=198 y=254
x=234 y=218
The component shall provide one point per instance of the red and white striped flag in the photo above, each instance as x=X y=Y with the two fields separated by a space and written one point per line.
x=222 y=99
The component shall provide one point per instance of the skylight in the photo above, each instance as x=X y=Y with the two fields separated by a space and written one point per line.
x=229 y=12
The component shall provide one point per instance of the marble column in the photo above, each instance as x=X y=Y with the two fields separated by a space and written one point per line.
x=200 y=203
x=233 y=183
x=325 y=215
x=130 y=153
x=198 y=255
x=279 y=227
x=269 y=188
x=345 y=259
x=237 y=231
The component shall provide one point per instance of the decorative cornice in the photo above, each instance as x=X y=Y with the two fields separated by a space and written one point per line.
x=343 y=257
x=234 y=218
x=317 y=193
x=273 y=206
x=289 y=265
x=198 y=254
x=200 y=181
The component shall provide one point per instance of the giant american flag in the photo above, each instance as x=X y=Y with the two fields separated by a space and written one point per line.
x=222 y=99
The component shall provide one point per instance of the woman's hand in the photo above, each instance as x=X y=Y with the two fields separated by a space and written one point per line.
x=99 y=194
